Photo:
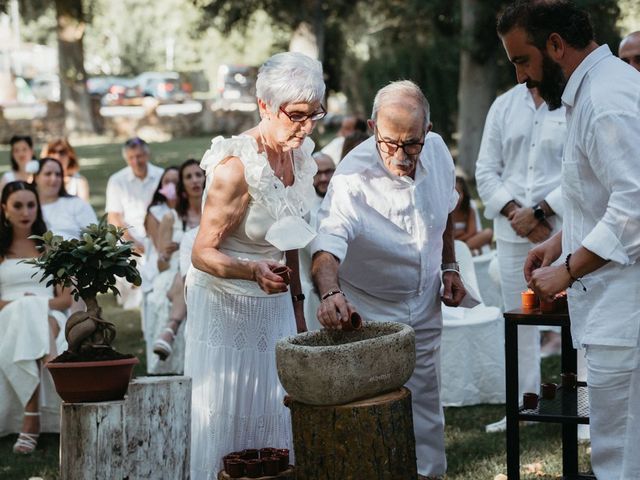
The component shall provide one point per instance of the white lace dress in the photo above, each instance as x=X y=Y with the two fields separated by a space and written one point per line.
x=233 y=326
x=24 y=340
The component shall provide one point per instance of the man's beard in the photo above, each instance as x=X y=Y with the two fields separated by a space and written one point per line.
x=552 y=84
x=320 y=193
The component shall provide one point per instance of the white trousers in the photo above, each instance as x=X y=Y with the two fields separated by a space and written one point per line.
x=423 y=314
x=613 y=376
x=511 y=257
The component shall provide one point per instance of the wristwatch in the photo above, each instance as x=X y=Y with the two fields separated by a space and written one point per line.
x=298 y=298
x=448 y=267
x=538 y=212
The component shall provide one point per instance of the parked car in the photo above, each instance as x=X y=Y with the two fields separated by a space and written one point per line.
x=123 y=91
x=99 y=86
x=166 y=87
x=237 y=83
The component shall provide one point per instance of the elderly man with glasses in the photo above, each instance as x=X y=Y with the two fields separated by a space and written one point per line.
x=385 y=245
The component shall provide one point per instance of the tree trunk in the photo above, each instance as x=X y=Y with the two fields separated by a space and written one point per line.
x=73 y=86
x=476 y=92
x=308 y=36
x=367 y=439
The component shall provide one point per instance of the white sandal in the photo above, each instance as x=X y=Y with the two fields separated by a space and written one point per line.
x=26 y=442
x=161 y=347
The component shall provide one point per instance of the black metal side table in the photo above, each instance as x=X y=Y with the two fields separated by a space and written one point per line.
x=568 y=408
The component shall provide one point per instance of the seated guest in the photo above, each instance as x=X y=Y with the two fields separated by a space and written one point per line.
x=74 y=183
x=21 y=155
x=31 y=318
x=64 y=214
x=162 y=320
x=129 y=192
x=465 y=221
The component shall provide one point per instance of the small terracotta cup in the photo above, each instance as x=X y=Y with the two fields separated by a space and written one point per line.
x=548 y=391
x=530 y=401
x=231 y=456
x=547 y=307
x=569 y=380
x=267 y=452
x=235 y=467
x=283 y=456
x=271 y=465
x=253 y=468
x=529 y=299
x=249 y=454
x=283 y=272
x=354 y=323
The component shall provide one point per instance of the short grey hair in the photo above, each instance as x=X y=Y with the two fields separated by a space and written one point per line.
x=290 y=77
x=135 y=142
x=401 y=89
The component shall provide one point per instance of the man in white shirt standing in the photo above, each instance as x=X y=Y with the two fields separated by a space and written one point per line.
x=552 y=47
x=629 y=50
x=385 y=237
x=518 y=179
x=129 y=193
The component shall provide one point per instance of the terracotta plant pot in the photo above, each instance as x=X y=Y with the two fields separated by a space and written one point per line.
x=549 y=391
x=253 y=468
x=529 y=300
x=235 y=467
x=271 y=465
x=283 y=272
x=102 y=381
x=354 y=323
x=569 y=380
x=530 y=401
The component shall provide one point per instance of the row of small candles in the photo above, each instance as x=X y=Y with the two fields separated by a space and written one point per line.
x=253 y=463
x=530 y=301
x=569 y=383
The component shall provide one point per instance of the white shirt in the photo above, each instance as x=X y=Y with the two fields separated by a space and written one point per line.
x=601 y=191
x=67 y=216
x=387 y=230
x=334 y=149
x=130 y=196
x=520 y=158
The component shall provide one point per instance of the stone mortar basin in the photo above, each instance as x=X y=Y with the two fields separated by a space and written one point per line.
x=333 y=367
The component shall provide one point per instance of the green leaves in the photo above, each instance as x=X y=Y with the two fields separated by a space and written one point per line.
x=88 y=265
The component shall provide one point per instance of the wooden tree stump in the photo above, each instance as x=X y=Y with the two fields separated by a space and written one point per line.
x=367 y=439
x=92 y=441
x=158 y=427
x=148 y=435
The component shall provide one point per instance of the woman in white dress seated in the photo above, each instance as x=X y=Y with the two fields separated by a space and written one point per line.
x=164 y=305
x=32 y=322
x=259 y=186
x=21 y=160
x=65 y=215
x=74 y=183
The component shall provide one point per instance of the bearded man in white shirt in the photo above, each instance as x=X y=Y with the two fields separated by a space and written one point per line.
x=385 y=233
x=629 y=50
x=518 y=179
x=552 y=47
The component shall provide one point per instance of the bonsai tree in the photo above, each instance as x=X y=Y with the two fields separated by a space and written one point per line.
x=88 y=266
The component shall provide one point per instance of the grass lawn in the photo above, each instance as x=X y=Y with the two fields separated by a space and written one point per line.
x=472 y=454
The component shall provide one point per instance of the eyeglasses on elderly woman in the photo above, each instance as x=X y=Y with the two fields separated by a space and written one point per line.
x=299 y=117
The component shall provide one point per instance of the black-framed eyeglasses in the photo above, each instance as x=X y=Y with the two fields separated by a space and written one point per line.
x=412 y=148
x=301 y=117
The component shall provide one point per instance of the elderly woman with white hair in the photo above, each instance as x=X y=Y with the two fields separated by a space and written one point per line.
x=259 y=186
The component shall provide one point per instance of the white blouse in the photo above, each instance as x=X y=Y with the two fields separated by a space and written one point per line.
x=67 y=216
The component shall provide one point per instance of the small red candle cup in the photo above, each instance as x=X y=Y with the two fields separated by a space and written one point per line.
x=560 y=302
x=283 y=272
x=235 y=467
x=530 y=401
x=569 y=380
x=547 y=307
x=549 y=391
x=249 y=454
x=253 y=468
x=283 y=456
x=354 y=323
x=231 y=456
x=271 y=465
x=529 y=300
x=267 y=452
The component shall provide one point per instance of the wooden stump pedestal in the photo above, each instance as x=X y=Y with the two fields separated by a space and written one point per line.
x=146 y=435
x=367 y=439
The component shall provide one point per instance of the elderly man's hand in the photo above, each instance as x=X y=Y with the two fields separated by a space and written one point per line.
x=549 y=281
x=454 y=290
x=523 y=220
x=539 y=233
x=334 y=310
